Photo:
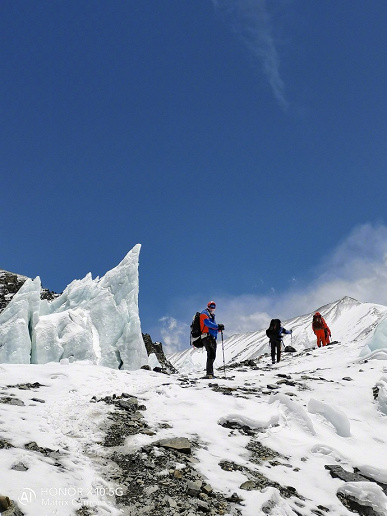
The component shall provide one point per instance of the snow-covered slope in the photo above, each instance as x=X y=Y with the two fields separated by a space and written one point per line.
x=304 y=437
x=348 y=319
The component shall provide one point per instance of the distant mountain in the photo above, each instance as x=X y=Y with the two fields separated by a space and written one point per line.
x=348 y=319
x=10 y=283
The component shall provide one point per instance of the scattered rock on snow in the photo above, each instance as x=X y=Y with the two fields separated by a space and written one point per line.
x=348 y=500
x=5 y=502
x=180 y=444
x=12 y=401
x=26 y=386
x=20 y=467
x=5 y=445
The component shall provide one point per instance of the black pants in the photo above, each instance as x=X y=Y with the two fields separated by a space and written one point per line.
x=210 y=345
x=275 y=348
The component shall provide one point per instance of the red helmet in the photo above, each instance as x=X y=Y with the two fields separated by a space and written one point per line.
x=317 y=313
x=211 y=304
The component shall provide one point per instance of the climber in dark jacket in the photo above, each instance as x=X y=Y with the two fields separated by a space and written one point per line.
x=275 y=332
x=210 y=330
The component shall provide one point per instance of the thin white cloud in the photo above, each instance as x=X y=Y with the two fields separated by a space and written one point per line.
x=356 y=268
x=175 y=334
x=251 y=21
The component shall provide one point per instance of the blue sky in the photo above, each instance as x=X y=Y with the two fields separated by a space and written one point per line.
x=242 y=143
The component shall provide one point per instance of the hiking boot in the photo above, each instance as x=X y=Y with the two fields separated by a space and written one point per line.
x=209 y=376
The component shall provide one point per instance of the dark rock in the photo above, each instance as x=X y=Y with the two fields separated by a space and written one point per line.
x=12 y=510
x=194 y=487
x=32 y=446
x=203 y=506
x=354 y=506
x=230 y=466
x=11 y=401
x=258 y=481
x=5 y=502
x=235 y=498
x=347 y=500
x=339 y=472
x=5 y=445
x=370 y=479
x=11 y=283
x=27 y=386
x=227 y=391
x=261 y=453
x=284 y=381
x=207 y=489
x=157 y=349
x=249 y=485
x=249 y=363
x=20 y=467
x=180 y=444
x=243 y=429
x=375 y=392
x=128 y=404
x=85 y=511
x=289 y=349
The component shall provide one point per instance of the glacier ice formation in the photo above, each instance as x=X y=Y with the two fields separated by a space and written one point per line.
x=95 y=320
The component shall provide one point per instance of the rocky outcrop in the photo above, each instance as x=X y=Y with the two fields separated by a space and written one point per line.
x=8 y=507
x=349 y=500
x=157 y=349
x=10 y=284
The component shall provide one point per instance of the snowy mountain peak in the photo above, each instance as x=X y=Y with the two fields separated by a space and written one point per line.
x=345 y=301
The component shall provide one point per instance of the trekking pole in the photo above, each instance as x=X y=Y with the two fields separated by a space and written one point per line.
x=224 y=362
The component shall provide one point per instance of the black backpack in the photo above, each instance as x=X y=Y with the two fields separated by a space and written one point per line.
x=195 y=326
x=317 y=323
x=196 y=331
x=273 y=331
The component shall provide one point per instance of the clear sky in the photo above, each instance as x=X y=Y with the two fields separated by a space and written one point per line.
x=242 y=143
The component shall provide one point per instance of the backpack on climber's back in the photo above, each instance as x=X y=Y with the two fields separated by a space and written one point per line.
x=317 y=323
x=273 y=331
x=196 y=332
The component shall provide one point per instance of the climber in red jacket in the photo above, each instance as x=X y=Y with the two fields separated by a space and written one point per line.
x=321 y=330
